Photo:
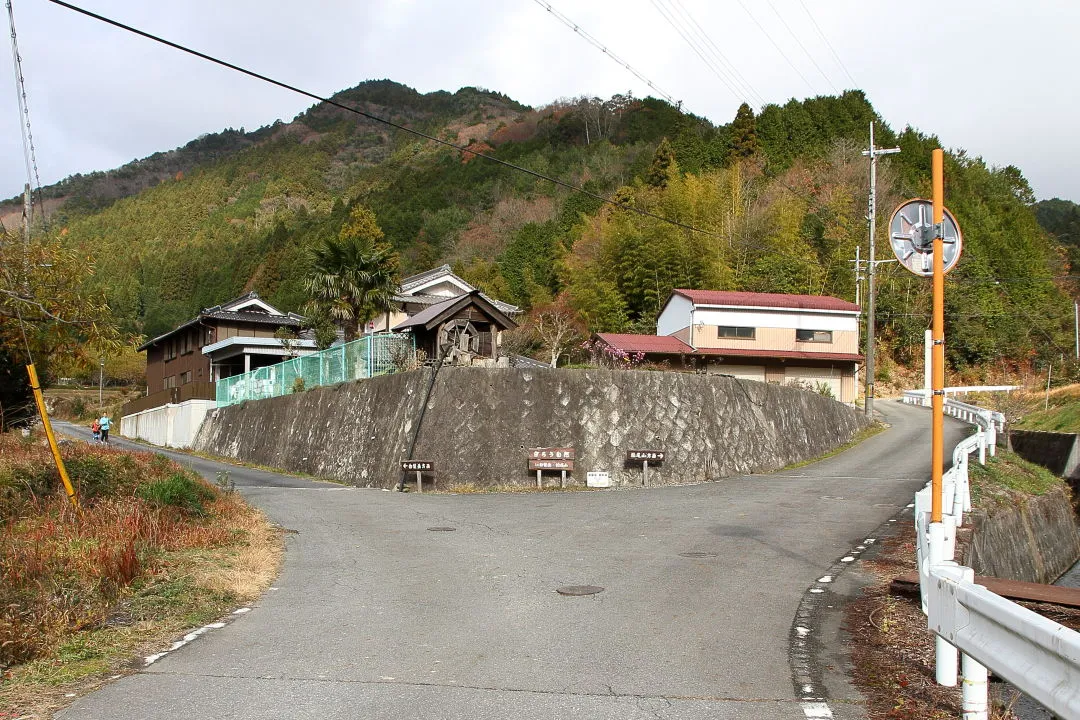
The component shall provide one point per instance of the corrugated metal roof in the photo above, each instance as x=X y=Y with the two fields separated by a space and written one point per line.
x=646 y=343
x=770 y=300
x=670 y=345
x=779 y=354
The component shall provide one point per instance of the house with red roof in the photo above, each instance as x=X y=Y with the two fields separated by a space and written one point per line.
x=807 y=340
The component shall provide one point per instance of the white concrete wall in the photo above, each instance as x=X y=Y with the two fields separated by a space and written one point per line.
x=169 y=425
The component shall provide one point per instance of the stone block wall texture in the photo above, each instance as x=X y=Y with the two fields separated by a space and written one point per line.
x=1057 y=452
x=480 y=423
x=1037 y=541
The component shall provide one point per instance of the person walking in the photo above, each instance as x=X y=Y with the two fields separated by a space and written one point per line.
x=95 y=428
x=104 y=423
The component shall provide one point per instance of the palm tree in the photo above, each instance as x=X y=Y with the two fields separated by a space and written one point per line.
x=352 y=280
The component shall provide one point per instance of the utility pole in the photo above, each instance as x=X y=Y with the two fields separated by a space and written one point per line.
x=873 y=153
x=101 y=379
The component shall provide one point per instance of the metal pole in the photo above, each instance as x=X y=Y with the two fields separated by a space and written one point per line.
x=868 y=404
x=539 y=482
x=873 y=153
x=645 y=473
x=101 y=380
x=1076 y=325
x=937 y=444
x=562 y=480
x=40 y=401
x=1046 y=399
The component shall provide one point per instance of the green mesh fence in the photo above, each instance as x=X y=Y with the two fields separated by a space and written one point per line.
x=367 y=357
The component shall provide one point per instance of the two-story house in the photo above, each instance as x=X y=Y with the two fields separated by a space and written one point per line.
x=789 y=339
x=221 y=341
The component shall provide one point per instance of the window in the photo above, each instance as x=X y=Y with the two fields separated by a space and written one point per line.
x=185 y=377
x=731 y=331
x=170 y=382
x=821 y=336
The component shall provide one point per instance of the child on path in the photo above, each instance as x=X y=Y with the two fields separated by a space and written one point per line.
x=104 y=423
x=95 y=428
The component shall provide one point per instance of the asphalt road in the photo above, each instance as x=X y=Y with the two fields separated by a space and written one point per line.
x=376 y=615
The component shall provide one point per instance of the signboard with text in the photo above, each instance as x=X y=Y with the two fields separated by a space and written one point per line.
x=551 y=464
x=654 y=457
x=418 y=466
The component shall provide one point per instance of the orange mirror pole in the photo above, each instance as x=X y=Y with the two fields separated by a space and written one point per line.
x=937 y=442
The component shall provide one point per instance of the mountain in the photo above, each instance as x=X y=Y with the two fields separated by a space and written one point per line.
x=772 y=202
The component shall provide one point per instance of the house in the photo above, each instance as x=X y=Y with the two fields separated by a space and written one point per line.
x=219 y=342
x=461 y=330
x=808 y=340
x=420 y=291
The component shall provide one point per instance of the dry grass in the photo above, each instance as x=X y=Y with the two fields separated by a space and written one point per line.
x=83 y=594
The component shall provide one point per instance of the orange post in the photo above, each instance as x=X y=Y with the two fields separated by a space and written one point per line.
x=937 y=441
x=40 y=400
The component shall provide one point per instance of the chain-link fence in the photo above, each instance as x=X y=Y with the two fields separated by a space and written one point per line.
x=367 y=357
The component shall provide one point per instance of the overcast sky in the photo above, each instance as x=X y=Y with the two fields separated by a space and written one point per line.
x=994 y=77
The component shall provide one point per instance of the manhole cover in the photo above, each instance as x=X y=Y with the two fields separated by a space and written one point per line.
x=579 y=590
x=441 y=529
x=697 y=554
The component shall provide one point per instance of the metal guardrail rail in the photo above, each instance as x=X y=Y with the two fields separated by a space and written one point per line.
x=1037 y=655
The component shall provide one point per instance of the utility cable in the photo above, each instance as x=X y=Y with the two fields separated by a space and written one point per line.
x=799 y=43
x=719 y=53
x=722 y=75
x=29 y=153
x=375 y=118
x=828 y=44
x=599 y=46
x=775 y=45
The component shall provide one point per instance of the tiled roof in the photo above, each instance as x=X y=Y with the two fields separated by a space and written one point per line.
x=421 y=278
x=425 y=299
x=646 y=343
x=770 y=300
x=290 y=320
x=434 y=313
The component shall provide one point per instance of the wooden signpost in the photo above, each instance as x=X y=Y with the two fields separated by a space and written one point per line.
x=656 y=457
x=419 y=467
x=551 y=458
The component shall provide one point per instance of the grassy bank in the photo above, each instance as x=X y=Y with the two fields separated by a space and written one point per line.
x=153 y=552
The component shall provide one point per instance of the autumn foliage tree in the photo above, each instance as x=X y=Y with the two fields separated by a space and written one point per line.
x=46 y=316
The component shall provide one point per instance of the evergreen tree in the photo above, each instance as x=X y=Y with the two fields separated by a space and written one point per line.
x=744 y=140
x=663 y=165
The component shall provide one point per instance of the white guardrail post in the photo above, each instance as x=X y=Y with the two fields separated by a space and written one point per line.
x=1037 y=655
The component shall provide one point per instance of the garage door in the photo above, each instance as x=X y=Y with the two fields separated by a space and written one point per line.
x=812 y=377
x=743 y=372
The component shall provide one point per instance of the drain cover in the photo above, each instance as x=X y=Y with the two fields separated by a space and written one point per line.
x=697 y=554
x=441 y=529
x=579 y=590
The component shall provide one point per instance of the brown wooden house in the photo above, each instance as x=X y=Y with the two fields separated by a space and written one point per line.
x=462 y=330
x=219 y=342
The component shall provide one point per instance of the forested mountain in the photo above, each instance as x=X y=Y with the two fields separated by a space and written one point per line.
x=772 y=202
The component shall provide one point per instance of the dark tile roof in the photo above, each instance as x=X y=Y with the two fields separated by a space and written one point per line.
x=433 y=314
x=770 y=300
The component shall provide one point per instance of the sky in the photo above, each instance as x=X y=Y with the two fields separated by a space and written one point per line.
x=996 y=78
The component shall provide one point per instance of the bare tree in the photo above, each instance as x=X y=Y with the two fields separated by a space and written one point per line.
x=557 y=326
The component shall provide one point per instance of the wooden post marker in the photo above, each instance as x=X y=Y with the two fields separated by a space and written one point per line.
x=656 y=457
x=419 y=467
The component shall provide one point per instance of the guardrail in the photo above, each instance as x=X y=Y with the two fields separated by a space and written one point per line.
x=1037 y=655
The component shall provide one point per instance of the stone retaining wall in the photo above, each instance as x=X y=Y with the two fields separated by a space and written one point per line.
x=480 y=423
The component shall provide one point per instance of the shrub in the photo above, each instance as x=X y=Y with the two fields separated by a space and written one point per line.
x=179 y=490
x=298 y=385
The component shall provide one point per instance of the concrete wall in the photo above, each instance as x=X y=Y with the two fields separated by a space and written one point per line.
x=168 y=425
x=1034 y=542
x=480 y=423
x=1057 y=452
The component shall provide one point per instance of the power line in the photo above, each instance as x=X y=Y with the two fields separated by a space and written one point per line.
x=375 y=118
x=599 y=46
x=703 y=45
x=799 y=43
x=828 y=44
x=29 y=153
x=778 y=48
